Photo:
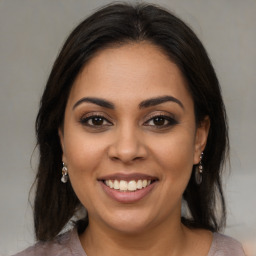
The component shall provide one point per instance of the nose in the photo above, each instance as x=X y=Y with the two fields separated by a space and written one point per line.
x=128 y=146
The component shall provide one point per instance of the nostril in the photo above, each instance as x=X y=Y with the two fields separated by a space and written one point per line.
x=127 y=160
x=115 y=158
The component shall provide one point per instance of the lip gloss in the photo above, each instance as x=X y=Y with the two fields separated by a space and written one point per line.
x=127 y=196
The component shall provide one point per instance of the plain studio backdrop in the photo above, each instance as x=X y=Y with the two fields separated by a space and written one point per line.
x=31 y=34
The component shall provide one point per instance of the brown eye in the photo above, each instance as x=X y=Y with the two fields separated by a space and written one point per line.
x=95 y=121
x=161 y=121
x=158 y=121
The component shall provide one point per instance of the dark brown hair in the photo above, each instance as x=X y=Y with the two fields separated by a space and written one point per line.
x=56 y=203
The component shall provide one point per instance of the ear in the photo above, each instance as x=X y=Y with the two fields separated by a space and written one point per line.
x=201 y=138
x=61 y=136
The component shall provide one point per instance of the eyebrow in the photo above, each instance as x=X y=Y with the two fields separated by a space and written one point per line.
x=97 y=101
x=159 y=100
x=144 y=104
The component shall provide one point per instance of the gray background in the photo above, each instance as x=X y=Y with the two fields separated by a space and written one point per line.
x=31 y=34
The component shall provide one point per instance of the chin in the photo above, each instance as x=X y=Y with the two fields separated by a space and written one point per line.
x=129 y=228
x=129 y=223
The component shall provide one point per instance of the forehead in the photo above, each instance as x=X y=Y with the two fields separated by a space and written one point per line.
x=130 y=72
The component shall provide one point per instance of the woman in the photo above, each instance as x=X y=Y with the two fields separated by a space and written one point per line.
x=132 y=128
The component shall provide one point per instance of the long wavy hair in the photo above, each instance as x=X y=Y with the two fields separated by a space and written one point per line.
x=56 y=203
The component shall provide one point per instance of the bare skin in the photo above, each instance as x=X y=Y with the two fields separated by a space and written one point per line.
x=130 y=116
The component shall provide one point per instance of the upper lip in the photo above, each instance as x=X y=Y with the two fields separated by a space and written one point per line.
x=128 y=177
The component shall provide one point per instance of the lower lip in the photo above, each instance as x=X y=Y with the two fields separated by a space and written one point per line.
x=128 y=196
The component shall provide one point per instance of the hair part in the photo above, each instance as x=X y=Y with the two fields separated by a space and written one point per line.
x=114 y=25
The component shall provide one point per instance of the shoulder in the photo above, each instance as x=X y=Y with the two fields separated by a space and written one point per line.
x=225 y=246
x=67 y=244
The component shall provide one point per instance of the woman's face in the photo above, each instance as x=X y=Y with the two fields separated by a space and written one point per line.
x=130 y=139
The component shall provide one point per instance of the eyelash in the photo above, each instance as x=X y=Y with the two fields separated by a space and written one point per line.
x=85 y=121
x=168 y=121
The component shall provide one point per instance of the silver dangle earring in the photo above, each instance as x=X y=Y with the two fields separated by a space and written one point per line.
x=64 y=177
x=199 y=171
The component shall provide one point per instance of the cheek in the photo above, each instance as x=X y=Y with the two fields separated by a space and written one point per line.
x=83 y=153
x=175 y=155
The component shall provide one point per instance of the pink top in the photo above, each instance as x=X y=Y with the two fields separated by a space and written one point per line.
x=69 y=244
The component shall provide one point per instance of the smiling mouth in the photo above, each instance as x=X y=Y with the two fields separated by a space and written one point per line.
x=128 y=186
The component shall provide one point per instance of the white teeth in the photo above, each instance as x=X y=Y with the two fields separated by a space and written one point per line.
x=111 y=184
x=116 y=184
x=131 y=185
x=139 y=184
x=144 y=183
x=123 y=185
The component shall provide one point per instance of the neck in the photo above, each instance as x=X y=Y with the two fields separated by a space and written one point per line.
x=158 y=240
